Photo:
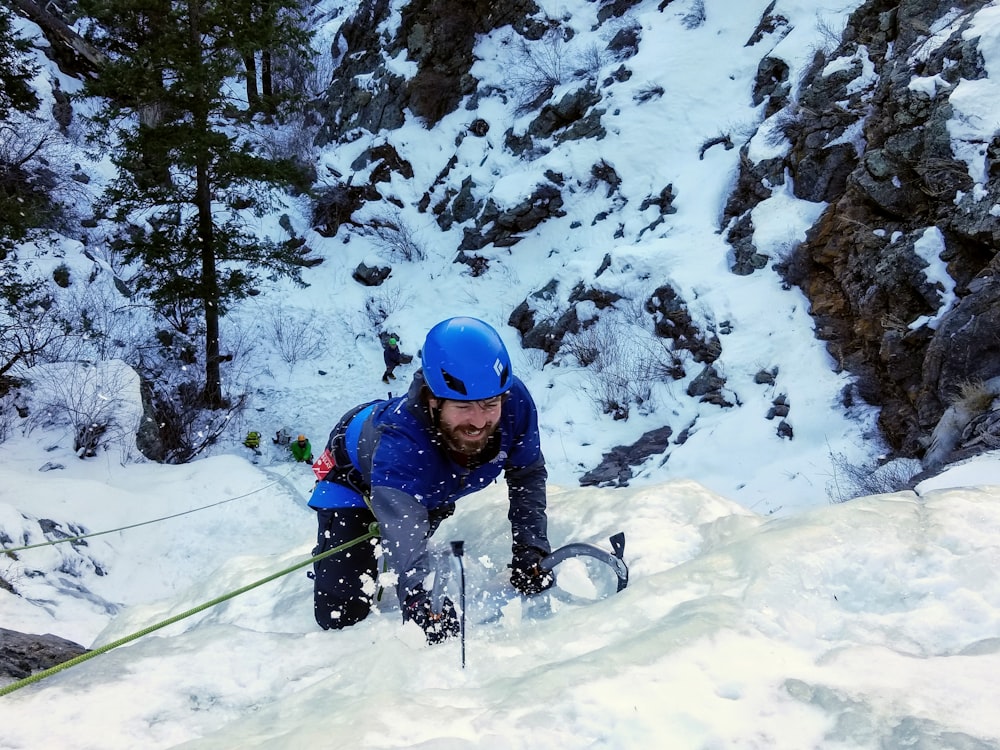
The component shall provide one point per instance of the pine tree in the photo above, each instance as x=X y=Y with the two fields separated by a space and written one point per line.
x=186 y=174
x=21 y=202
x=16 y=71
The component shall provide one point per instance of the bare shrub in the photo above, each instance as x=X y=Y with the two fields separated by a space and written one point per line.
x=35 y=331
x=382 y=303
x=535 y=70
x=395 y=236
x=975 y=396
x=590 y=60
x=619 y=373
x=695 y=17
x=294 y=335
x=100 y=401
x=8 y=416
x=110 y=325
x=186 y=428
x=830 y=33
x=850 y=480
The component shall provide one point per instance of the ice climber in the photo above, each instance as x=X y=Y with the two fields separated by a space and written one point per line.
x=405 y=461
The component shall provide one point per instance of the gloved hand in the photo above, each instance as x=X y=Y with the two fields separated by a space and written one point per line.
x=525 y=573
x=436 y=626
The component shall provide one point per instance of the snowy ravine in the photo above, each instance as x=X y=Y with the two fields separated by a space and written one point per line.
x=758 y=615
x=868 y=624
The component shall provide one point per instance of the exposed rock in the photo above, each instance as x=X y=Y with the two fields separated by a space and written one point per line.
x=615 y=468
x=503 y=227
x=877 y=150
x=614 y=9
x=386 y=160
x=23 y=654
x=964 y=349
x=371 y=275
x=672 y=320
x=771 y=84
x=440 y=34
x=770 y=25
x=779 y=407
x=546 y=335
x=625 y=43
x=566 y=112
x=708 y=385
x=335 y=206
x=765 y=377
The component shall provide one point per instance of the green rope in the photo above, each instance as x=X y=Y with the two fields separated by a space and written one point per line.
x=371 y=533
x=49 y=543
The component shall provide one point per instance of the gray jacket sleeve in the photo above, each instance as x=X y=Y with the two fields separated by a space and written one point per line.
x=526 y=492
x=403 y=526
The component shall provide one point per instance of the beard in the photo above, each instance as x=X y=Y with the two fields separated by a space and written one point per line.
x=458 y=440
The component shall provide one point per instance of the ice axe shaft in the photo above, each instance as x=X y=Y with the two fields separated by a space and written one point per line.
x=458 y=549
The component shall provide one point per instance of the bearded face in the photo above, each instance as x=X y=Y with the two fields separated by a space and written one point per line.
x=467 y=425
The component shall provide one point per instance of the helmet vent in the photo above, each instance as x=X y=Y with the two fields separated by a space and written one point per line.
x=454 y=383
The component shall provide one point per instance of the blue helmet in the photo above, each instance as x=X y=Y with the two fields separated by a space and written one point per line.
x=464 y=359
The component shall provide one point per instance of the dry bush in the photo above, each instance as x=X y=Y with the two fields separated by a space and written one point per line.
x=382 y=303
x=619 y=373
x=395 y=236
x=294 y=335
x=535 y=70
x=93 y=397
x=850 y=480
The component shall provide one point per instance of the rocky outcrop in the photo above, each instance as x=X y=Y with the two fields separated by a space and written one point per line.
x=872 y=140
x=868 y=134
x=616 y=467
x=23 y=654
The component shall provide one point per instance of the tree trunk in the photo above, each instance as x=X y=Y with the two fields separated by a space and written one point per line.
x=206 y=223
x=267 y=80
x=210 y=283
x=253 y=96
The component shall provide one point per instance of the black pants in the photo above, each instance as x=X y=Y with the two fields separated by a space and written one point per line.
x=343 y=583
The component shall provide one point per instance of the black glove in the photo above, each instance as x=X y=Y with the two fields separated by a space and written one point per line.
x=525 y=573
x=436 y=626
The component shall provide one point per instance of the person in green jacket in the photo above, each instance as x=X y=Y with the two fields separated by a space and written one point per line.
x=302 y=450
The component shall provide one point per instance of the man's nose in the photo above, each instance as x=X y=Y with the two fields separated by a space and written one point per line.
x=480 y=415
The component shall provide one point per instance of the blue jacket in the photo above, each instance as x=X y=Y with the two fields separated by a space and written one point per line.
x=391 y=451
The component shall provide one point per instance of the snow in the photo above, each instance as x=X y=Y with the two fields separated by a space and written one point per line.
x=758 y=614
x=929 y=248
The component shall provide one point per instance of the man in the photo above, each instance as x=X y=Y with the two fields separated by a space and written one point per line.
x=302 y=450
x=404 y=462
x=392 y=357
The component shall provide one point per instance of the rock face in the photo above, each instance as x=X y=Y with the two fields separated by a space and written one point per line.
x=21 y=654
x=876 y=148
x=868 y=134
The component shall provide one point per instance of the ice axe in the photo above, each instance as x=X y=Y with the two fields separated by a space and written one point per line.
x=441 y=579
x=614 y=559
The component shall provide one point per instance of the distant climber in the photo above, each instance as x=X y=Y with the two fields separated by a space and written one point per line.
x=252 y=441
x=302 y=450
x=393 y=358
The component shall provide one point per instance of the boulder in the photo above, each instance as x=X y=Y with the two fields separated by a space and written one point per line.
x=23 y=654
